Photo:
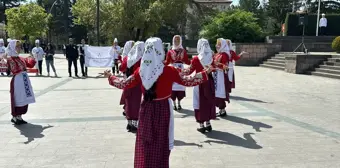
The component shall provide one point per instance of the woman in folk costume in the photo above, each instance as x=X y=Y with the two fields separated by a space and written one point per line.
x=222 y=84
x=177 y=56
x=127 y=47
x=133 y=95
x=20 y=88
x=114 y=52
x=155 y=135
x=233 y=57
x=204 y=94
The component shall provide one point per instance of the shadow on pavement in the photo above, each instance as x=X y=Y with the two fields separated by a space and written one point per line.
x=182 y=143
x=32 y=131
x=256 y=125
x=230 y=139
x=246 y=99
x=186 y=113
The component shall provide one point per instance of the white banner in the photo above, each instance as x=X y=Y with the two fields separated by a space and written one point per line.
x=98 y=56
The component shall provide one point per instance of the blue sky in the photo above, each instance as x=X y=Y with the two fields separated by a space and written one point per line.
x=235 y=2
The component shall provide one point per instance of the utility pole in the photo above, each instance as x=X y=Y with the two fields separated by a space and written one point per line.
x=98 y=33
x=318 y=19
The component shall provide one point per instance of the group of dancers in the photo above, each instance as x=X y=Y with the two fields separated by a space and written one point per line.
x=161 y=81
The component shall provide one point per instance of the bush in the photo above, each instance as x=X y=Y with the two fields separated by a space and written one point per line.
x=293 y=29
x=236 y=25
x=336 y=44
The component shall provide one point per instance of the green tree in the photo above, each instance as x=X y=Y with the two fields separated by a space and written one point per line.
x=27 y=20
x=237 y=25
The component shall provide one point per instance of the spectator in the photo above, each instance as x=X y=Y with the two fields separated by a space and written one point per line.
x=50 y=59
x=323 y=25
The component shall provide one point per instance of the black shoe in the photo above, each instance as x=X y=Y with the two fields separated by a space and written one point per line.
x=175 y=108
x=201 y=130
x=179 y=107
x=221 y=114
x=133 y=129
x=22 y=121
x=16 y=122
x=124 y=114
x=69 y=75
x=208 y=128
x=128 y=127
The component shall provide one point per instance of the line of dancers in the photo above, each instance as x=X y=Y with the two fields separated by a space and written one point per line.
x=153 y=83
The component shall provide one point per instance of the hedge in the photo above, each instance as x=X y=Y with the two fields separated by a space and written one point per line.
x=292 y=27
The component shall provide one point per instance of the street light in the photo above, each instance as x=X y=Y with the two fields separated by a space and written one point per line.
x=318 y=19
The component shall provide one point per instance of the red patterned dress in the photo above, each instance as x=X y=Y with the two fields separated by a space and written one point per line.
x=20 y=88
x=177 y=58
x=222 y=84
x=204 y=94
x=233 y=57
x=155 y=135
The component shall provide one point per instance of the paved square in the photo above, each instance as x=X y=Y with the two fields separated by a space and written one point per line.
x=276 y=120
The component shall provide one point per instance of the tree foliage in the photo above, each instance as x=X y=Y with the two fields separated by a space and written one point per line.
x=128 y=19
x=237 y=25
x=27 y=20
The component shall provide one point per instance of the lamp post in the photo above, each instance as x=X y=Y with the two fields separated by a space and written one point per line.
x=98 y=34
x=318 y=19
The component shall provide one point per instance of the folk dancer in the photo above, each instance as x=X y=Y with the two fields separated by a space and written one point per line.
x=222 y=83
x=20 y=88
x=133 y=95
x=204 y=94
x=3 y=64
x=114 y=52
x=81 y=51
x=177 y=56
x=38 y=54
x=72 y=56
x=122 y=68
x=233 y=57
x=155 y=135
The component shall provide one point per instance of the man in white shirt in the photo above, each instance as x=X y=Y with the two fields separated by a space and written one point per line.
x=323 y=25
x=115 y=54
x=38 y=54
x=3 y=68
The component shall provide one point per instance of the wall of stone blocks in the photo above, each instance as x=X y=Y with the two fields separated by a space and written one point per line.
x=301 y=64
x=257 y=53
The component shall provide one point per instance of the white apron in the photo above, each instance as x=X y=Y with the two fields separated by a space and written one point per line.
x=23 y=91
x=219 y=84
x=231 y=71
x=176 y=86
x=196 y=97
x=171 y=126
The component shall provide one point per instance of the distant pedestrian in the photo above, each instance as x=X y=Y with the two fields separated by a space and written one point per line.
x=115 y=54
x=323 y=25
x=3 y=64
x=50 y=59
x=81 y=51
x=38 y=54
x=72 y=57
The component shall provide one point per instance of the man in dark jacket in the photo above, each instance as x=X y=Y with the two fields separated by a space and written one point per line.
x=72 y=57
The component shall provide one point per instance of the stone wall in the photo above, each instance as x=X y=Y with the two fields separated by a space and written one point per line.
x=257 y=52
x=301 y=64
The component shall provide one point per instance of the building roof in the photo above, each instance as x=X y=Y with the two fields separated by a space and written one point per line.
x=214 y=1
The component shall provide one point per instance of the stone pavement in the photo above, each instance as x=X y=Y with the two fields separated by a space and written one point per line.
x=276 y=120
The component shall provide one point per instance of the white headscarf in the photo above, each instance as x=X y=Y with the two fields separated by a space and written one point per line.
x=230 y=44
x=12 y=52
x=127 y=48
x=115 y=40
x=152 y=62
x=135 y=54
x=224 y=46
x=205 y=54
x=180 y=42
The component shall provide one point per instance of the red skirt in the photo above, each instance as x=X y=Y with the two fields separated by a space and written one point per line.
x=122 y=98
x=133 y=99
x=207 y=109
x=152 y=142
x=179 y=95
x=233 y=82
x=16 y=110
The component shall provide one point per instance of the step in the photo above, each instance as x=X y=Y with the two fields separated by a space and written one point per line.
x=274 y=63
x=332 y=63
x=279 y=58
x=331 y=71
x=334 y=59
x=274 y=59
x=272 y=67
x=330 y=67
x=328 y=75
